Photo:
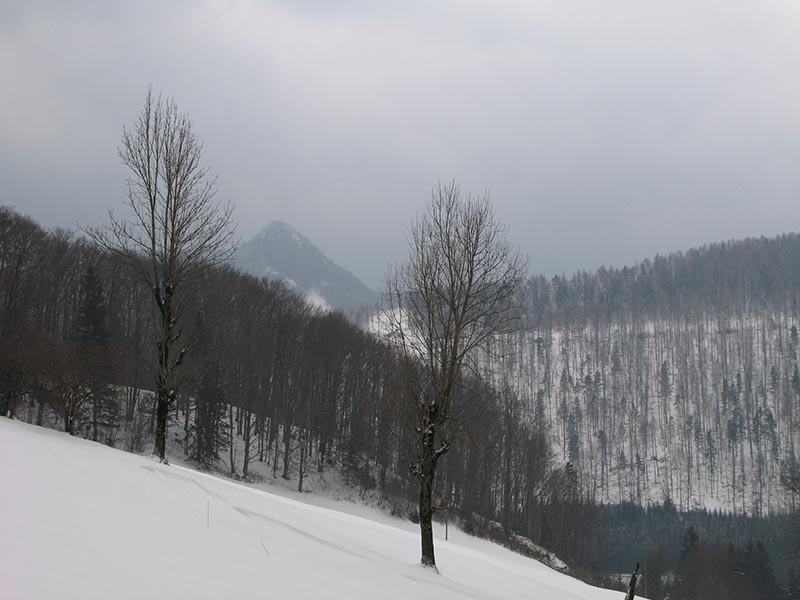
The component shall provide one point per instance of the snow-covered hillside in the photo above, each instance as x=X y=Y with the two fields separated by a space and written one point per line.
x=80 y=520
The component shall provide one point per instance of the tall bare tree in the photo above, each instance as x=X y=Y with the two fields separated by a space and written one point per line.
x=457 y=289
x=175 y=229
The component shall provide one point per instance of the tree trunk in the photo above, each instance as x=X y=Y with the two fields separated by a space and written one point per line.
x=186 y=425
x=275 y=453
x=232 y=440
x=162 y=410
x=287 y=447
x=632 y=585
x=321 y=451
x=95 y=415
x=40 y=413
x=426 y=473
x=302 y=470
x=247 y=432
x=426 y=512
x=165 y=390
x=153 y=415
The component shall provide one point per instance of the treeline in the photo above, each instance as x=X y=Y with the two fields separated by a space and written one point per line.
x=626 y=533
x=737 y=275
x=269 y=384
x=677 y=378
x=706 y=568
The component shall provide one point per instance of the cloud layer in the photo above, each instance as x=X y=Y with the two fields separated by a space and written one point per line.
x=605 y=132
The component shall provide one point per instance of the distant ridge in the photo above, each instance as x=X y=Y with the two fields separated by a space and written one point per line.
x=279 y=251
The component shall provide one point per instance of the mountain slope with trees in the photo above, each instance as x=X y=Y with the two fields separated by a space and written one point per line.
x=673 y=379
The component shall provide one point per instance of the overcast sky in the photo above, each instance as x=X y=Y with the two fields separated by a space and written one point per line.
x=604 y=131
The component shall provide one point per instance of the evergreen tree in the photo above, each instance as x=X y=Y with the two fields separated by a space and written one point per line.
x=791 y=589
x=689 y=570
x=95 y=362
x=207 y=431
x=762 y=578
x=93 y=313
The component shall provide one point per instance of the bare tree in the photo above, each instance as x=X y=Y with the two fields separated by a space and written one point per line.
x=457 y=289
x=175 y=229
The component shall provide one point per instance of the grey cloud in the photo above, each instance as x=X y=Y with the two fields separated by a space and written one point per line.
x=604 y=132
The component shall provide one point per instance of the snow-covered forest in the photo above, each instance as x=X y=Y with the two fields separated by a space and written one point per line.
x=677 y=378
x=646 y=385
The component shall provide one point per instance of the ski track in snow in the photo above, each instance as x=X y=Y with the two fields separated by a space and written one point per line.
x=315 y=538
x=175 y=477
x=79 y=520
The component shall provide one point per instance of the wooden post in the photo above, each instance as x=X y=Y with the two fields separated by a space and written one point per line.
x=632 y=585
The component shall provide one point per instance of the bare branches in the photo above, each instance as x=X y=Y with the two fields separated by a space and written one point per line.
x=176 y=227
x=458 y=287
x=456 y=290
x=176 y=223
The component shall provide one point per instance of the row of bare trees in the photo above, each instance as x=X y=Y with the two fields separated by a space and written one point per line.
x=71 y=328
x=271 y=386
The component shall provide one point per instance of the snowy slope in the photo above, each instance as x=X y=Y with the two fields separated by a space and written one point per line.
x=80 y=520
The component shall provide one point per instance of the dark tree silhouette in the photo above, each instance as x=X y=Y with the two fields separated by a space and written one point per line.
x=456 y=290
x=176 y=229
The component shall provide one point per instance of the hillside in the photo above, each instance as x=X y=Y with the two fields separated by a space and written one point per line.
x=280 y=252
x=583 y=409
x=80 y=520
x=674 y=378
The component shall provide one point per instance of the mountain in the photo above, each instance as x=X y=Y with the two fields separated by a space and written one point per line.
x=280 y=252
x=81 y=520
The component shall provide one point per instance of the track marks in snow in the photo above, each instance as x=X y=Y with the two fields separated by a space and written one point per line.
x=320 y=540
x=183 y=479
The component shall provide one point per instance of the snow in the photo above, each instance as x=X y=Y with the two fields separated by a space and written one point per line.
x=80 y=520
x=317 y=301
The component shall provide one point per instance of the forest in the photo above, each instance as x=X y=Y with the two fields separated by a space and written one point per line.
x=672 y=383
x=676 y=379
x=270 y=380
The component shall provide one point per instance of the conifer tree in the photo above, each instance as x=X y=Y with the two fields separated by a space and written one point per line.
x=208 y=429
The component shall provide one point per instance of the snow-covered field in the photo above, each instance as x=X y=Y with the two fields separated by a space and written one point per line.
x=80 y=520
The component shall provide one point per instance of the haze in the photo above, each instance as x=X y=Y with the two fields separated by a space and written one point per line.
x=605 y=132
